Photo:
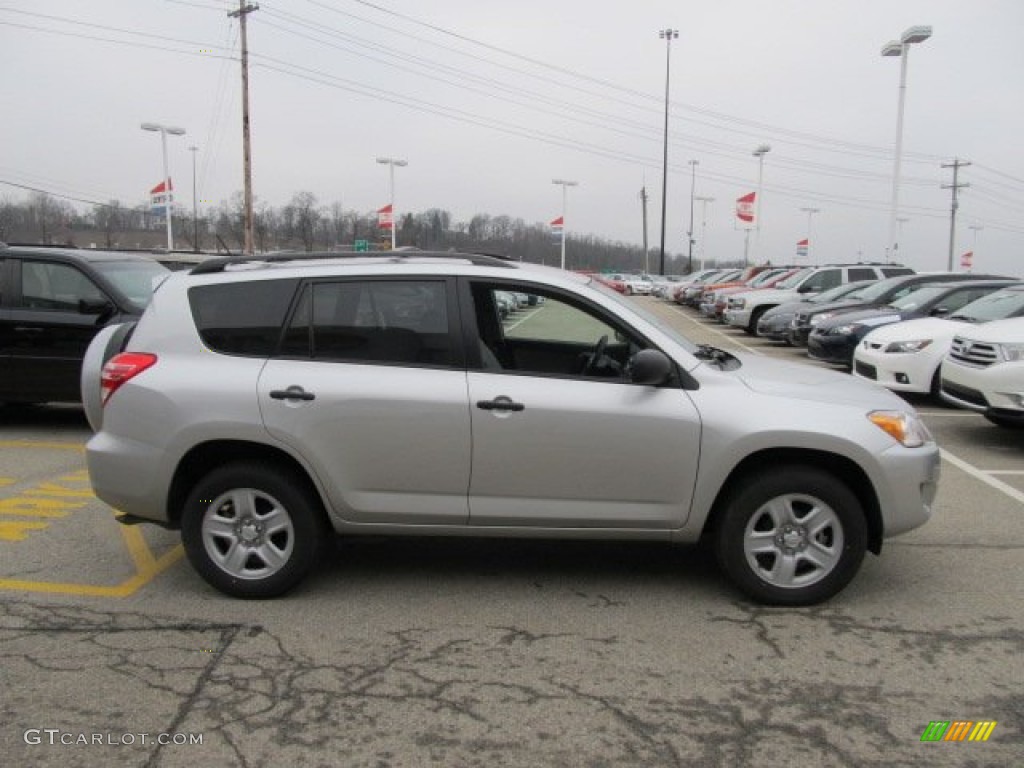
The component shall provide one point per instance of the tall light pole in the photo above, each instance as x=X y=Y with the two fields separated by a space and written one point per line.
x=810 y=240
x=703 y=226
x=391 y=163
x=759 y=153
x=163 y=130
x=668 y=35
x=975 y=228
x=900 y=48
x=195 y=207
x=689 y=233
x=564 y=185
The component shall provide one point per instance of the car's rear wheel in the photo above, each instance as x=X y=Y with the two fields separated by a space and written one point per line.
x=755 y=317
x=252 y=530
x=791 y=536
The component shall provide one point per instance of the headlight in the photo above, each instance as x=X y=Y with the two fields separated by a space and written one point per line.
x=906 y=428
x=843 y=330
x=1012 y=353
x=908 y=347
x=815 y=319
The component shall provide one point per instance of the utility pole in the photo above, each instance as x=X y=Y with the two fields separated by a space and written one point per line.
x=643 y=205
x=955 y=186
x=244 y=9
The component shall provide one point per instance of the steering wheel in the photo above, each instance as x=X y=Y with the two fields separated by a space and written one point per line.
x=595 y=356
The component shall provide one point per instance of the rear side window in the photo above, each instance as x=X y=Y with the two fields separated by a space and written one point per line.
x=401 y=322
x=242 y=318
x=895 y=271
x=861 y=273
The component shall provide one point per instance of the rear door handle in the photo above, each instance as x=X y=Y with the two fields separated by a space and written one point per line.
x=293 y=392
x=501 y=403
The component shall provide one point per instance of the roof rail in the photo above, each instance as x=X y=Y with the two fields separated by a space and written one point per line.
x=211 y=266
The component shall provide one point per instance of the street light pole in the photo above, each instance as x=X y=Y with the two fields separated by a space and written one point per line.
x=195 y=207
x=810 y=240
x=564 y=185
x=704 y=226
x=689 y=233
x=900 y=48
x=163 y=130
x=391 y=163
x=668 y=35
x=759 y=153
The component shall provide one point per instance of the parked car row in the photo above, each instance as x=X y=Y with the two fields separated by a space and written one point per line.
x=958 y=337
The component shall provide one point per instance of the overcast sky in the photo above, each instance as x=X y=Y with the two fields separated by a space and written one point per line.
x=489 y=101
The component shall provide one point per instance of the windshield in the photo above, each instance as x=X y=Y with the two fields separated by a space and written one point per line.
x=793 y=280
x=650 y=317
x=920 y=297
x=875 y=291
x=1008 y=302
x=840 y=291
x=135 y=279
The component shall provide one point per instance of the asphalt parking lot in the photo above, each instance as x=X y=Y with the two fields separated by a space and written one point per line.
x=491 y=653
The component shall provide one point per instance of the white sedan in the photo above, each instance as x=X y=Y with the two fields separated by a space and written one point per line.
x=905 y=357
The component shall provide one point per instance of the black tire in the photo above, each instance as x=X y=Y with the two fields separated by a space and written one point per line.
x=838 y=545
x=1007 y=422
x=755 y=317
x=232 y=550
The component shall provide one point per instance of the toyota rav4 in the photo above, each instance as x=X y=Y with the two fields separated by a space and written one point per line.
x=260 y=405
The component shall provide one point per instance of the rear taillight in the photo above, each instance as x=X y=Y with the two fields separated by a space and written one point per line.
x=121 y=368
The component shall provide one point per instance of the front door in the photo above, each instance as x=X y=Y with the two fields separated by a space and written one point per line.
x=561 y=438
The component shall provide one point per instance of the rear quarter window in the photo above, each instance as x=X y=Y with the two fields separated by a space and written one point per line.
x=243 y=318
x=894 y=271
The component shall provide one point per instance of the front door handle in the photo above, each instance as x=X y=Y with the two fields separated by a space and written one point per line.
x=293 y=392
x=501 y=403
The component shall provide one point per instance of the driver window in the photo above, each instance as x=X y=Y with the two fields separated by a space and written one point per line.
x=547 y=335
x=55 y=286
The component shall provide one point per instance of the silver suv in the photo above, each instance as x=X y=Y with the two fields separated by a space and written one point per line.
x=260 y=405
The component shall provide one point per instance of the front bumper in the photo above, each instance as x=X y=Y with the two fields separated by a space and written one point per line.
x=827 y=348
x=737 y=317
x=996 y=389
x=911 y=482
x=900 y=372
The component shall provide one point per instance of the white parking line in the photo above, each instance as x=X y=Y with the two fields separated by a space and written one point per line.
x=682 y=313
x=974 y=472
x=520 y=321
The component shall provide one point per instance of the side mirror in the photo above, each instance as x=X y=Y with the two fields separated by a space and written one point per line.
x=940 y=312
x=650 y=368
x=94 y=306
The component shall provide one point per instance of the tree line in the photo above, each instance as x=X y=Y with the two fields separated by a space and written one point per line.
x=305 y=224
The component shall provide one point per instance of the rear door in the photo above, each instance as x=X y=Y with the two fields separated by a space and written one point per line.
x=561 y=439
x=47 y=330
x=370 y=388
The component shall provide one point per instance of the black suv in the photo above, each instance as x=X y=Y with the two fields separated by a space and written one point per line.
x=52 y=302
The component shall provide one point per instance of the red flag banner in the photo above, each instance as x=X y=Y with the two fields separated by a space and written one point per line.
x=385 y=218
x=802 y=246
x=558 y=223
x=745 y=207
x=159 y=188
x=967 y=260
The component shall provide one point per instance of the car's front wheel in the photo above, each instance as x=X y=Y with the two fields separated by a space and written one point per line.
x=793 y=535
x=252 y=530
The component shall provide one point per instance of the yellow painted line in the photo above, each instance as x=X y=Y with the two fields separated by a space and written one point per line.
x=17 y=530
x=42 y=444
x=52 y=489
x=147 y=568
x=7 y=481
x=25 y=507
x=137 y=548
